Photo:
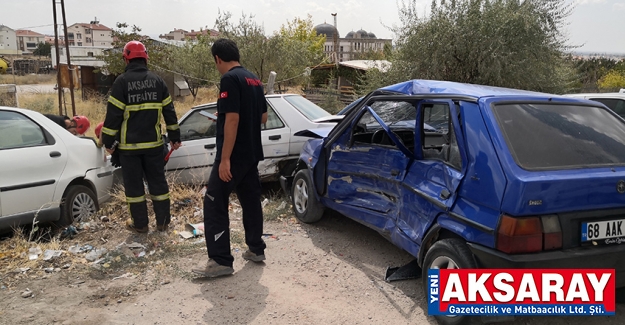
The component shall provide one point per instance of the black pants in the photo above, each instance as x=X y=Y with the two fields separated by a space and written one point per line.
x=152 y=165
x=246 y=183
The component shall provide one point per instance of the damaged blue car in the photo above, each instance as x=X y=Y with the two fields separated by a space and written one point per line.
x=469 y=176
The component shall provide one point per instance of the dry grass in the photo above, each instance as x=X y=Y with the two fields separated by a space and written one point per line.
x=30 y=79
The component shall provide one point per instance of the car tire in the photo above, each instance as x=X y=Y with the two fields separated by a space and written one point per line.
x=440 y=255
x=305 y=204
x=78 y=204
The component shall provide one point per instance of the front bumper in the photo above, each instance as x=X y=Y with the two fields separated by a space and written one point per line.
x=605 y=257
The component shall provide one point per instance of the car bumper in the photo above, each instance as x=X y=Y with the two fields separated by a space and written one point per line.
x=607 y=257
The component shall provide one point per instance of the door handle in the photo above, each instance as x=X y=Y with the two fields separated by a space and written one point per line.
x=445 y=194
x=210 y=146
x=275 y=137
x=55 y=154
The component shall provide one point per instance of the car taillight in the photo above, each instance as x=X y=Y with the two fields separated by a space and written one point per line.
x=528 y=234
x=519 y=235
x=552 y=233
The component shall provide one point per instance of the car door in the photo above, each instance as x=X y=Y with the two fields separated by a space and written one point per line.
x=432 y=181
x=193 y=161
x=366 y=166
x=275 y=135
x=31 y=164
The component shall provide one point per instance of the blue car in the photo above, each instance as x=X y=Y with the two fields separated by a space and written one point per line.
x=470 y=176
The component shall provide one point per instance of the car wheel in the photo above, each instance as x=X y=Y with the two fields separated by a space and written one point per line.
x=78 y=204
x=305 y=205
x=450 y=253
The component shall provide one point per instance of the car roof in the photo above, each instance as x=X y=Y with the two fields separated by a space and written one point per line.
x=417 y=86
x=266 y=96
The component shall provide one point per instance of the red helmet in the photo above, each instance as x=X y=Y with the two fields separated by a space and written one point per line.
x=135 y=49
x=82 y=124
x=98 y=129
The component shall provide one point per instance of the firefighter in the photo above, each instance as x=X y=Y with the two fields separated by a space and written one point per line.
x=138 y=98
x=77 y=125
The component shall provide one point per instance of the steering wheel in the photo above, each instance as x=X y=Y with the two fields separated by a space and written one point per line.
x=378 y=136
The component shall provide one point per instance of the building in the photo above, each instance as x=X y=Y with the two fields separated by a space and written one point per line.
x=50 y=40
x=352 y=45
x=183 y=35
x=8 y=41
x=92 y=34
x=27 y=40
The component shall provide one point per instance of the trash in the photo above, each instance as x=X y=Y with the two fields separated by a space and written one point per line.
x=192 y=230
x=135 y=245
x=104 y=219
x=142 y=254
x=69 y=232
x=165 y=282
x=99 y=261
x=132 y=250
x=184 y=202
x=27 y=293
x=33 y=253
x=126 y=275
x=198 y=213
x=79 y=249
x=282 y=205
x=22 y=270
x=49 y=269
x=66 y=266
x=203 y=191
x=265 y=202
x=49 y=254
x=95 y=254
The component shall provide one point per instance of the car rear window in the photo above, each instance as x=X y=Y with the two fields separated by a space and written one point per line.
x=306 y=107
x=561 y=136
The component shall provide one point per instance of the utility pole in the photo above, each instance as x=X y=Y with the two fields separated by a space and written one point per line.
x=58 y=59
x=335 y=41
x=69 y=63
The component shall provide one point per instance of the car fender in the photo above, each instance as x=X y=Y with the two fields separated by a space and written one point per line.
x=444 y=226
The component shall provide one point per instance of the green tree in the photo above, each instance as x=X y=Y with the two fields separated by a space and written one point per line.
x=612 y=81
x=195 y=63
x=43 y=49
x=507 y=43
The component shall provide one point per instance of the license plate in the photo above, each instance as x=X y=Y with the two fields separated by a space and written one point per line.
x=600 y=230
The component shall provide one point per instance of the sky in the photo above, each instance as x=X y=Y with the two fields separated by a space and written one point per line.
x=596 y=26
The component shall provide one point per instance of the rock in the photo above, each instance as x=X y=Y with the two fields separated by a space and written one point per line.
x=66 y=266
x=27 y=293
x=49 y=269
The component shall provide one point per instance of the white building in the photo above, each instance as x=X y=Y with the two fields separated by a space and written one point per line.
x=27 y=40
x=80 y=56
x=353 y=44
x=93 y=34
x=8 y=41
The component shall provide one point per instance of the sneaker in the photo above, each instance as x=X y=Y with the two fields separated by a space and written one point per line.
x=251 y=256
x=162 y=227
x=130 y=225
x=211 y=269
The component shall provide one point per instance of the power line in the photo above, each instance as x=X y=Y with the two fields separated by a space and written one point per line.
x=36 y=26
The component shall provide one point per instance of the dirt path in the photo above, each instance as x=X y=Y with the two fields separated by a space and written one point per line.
x=328 y=273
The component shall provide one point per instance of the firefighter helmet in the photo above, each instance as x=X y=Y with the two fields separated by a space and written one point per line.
x=135 y=49
x=82 y=124
x=98 y=129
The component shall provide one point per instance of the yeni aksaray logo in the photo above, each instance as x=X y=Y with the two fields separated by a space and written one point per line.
x=516 y=292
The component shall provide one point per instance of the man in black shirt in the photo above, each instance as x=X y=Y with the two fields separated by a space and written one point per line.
x=76 y=125
x=241 y=109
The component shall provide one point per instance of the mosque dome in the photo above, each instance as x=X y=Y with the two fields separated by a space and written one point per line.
x=327 y=30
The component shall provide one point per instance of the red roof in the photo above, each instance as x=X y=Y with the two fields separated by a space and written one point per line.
x=92 y=26
x=26 y=32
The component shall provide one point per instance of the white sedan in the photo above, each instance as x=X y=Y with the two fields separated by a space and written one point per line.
x=46 y=173
x=286 y=114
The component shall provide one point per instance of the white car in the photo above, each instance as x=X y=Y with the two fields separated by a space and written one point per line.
x=46 y=172
x=286 y=114
x=614 y=101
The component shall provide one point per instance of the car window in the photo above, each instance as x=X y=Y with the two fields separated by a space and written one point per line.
x=615 y=104
x=306 y=107
x=552 y=136
x=18 y=131
x=273 y=120
x=399 y=116
x=197 y=126
x=438 y=138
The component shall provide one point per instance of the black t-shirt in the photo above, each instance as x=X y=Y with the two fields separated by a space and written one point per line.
x=58 y=119
x=241 y=91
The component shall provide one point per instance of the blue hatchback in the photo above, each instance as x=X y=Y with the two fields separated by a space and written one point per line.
x=466 y=176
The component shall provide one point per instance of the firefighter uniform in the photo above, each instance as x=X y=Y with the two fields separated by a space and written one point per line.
x=133 y=128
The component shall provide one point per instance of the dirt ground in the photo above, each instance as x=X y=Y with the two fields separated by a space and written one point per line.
x=331 y=272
